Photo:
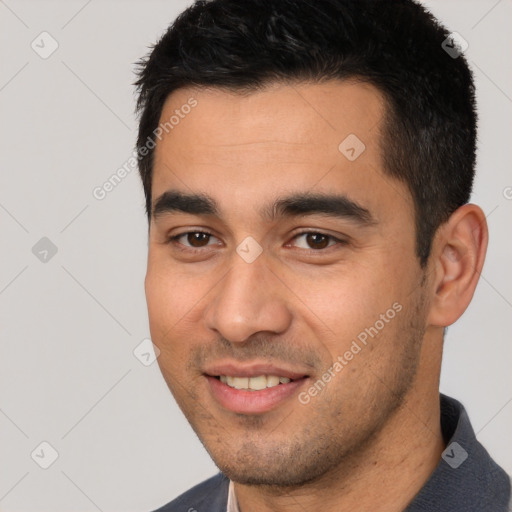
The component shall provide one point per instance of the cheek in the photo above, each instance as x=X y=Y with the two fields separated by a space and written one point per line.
x=340 y=304
x=170 y=294
x=175 y=301
x=166 y=306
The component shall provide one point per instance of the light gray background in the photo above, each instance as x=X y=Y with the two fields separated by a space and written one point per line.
x=69 y=326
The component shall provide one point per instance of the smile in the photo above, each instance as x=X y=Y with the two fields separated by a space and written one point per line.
x=253 y=383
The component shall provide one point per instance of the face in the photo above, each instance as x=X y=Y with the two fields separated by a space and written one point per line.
x=283 y=288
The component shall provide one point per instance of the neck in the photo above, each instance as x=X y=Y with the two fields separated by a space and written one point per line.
x=385 y=475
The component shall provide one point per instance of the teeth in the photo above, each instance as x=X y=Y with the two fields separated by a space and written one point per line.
x=240 y=382
x=254 y=383
x=272 y=381
x=258 y=383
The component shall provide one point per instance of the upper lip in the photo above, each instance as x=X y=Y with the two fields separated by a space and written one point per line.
x=254 y=369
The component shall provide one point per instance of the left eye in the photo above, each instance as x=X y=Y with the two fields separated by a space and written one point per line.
x=315 y=241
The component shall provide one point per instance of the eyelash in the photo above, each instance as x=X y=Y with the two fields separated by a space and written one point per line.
x=174 y=240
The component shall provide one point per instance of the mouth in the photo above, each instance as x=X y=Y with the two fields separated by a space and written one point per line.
x=253 y=389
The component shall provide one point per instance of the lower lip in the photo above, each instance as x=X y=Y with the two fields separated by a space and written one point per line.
x=252 y=402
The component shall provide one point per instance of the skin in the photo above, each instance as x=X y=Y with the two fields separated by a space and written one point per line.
x=371 y=438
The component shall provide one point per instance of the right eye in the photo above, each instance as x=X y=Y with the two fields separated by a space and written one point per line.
x=194 y=240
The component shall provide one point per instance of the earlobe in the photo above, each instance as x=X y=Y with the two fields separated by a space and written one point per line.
x=458 y=252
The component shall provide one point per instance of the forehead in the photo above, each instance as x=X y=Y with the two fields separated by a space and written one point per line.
x=292 y=138
x=278 y=114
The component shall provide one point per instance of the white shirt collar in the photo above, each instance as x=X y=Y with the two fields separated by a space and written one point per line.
x=232 y=501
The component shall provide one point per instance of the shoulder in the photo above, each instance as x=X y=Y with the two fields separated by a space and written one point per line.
x=467 y=478
x=211 y=495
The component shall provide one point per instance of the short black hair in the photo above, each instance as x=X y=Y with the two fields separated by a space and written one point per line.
x=429 y=132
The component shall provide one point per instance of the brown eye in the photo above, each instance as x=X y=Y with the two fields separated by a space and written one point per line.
x=198 y=239
x=191 y=240
x=317 y=240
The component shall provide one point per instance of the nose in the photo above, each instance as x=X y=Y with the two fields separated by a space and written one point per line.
x=249 y=300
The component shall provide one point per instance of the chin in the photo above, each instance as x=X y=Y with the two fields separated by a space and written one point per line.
x=273 y=477
x=290 y=465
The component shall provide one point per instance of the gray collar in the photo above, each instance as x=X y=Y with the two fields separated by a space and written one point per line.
x=466 y=479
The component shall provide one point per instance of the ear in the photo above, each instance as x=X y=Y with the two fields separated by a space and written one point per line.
x=457 y=258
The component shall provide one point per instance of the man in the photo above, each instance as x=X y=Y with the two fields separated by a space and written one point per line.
x=307 y=169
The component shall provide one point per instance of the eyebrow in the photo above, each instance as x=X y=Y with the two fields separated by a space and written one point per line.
x=174 y=201
x=334 y=205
